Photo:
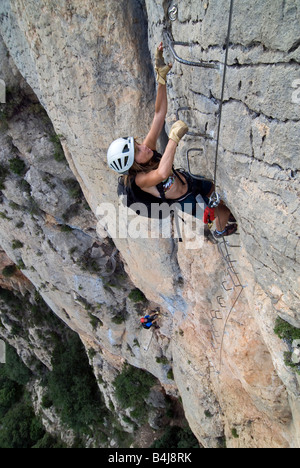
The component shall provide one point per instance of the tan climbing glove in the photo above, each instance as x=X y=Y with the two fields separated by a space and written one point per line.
x=178 y=130
x=160 y=66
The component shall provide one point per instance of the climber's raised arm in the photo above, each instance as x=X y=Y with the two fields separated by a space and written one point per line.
x=161 y=103
x=161 y=107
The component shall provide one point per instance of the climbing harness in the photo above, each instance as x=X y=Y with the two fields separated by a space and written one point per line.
x=208 y=212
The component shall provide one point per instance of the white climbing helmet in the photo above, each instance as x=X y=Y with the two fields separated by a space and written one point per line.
x=120 y=155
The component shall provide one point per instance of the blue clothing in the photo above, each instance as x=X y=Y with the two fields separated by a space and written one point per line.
x=149 y=323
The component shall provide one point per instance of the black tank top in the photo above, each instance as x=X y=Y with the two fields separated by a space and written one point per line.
x=160 y=187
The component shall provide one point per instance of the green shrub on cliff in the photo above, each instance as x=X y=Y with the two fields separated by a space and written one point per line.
x=286 y=331
x=132 y=387
x=72 y=387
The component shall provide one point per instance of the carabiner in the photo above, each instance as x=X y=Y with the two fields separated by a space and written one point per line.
x=173 y=12
x=214 y=200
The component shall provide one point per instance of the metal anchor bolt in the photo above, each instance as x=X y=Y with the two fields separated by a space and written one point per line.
x=173 y=12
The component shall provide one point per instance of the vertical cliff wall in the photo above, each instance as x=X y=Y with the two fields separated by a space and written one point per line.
x=90 y=66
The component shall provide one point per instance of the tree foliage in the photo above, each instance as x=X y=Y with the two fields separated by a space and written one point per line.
x=177 y=437
x=19 y=427
x=72 y=387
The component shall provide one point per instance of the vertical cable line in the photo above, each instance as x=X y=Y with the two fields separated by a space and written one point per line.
x=223 y=88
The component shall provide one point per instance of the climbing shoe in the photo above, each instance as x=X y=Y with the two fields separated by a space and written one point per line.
x=228 y=231
x=232 y=218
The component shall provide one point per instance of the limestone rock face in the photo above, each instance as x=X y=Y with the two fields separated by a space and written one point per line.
x=79 y=75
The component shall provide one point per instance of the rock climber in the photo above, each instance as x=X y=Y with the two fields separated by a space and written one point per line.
x=150 y=320
x=147 y=171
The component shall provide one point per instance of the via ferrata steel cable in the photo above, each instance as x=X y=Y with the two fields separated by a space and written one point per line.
x=223 y=88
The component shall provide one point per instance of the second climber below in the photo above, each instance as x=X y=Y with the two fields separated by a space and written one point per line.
x=147 y=171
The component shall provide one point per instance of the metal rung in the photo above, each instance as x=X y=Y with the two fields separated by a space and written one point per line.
x=226 y=289
x=220 y=299
x=215 y=345
x=187 y=62
x=188 y=162
x=215 y=331
x=231 y=245
x=196 y=134
x=233 y=277
x=211 y=366
x=226 y=255
x=215 y=334
x=214 y=315
x=215 y=348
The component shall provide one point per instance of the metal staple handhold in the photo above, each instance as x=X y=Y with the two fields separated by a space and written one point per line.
x=220 y=300
x=214 y=315
x=226 y=289
x=187 y=62
x=188 y=163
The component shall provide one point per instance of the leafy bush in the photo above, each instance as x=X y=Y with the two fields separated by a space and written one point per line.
x=74 y=189
x=17 y=166
x=176 y=437
x=59 y=154
x=288 y=333
x=16 y=244
x=9 y=270
x=15 y=368
x=72 y=386
x=3 y=174
x=132 y=387
x=20 y=428
x=10 y=392
x=136 y=295
x=49 y=442
x=287 y=357
x=65 y=228
x=285 y=331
